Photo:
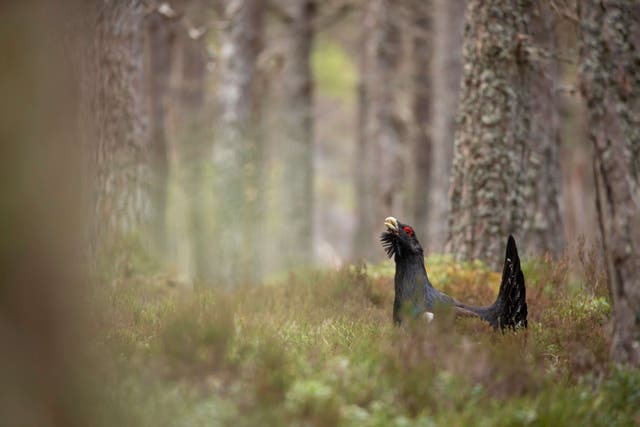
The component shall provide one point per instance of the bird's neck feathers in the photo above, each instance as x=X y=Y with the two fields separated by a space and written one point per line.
x=410 y=271
x=412 y=259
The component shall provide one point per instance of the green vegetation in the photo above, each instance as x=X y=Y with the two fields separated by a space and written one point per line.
x=319 y=349
x=333 y=70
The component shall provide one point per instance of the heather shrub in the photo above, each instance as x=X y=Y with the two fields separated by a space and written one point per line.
x=319 y=348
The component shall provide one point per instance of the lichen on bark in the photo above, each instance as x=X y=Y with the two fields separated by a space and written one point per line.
x=486 y=197
x=609 y=69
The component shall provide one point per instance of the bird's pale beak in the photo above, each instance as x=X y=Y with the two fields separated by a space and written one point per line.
x=392 y=224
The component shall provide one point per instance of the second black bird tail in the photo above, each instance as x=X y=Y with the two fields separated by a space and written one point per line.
x=509 y=311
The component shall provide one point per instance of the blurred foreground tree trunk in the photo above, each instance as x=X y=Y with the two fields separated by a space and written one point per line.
x=238 y=149
x=161 y=35
x=43 y=376
x=610 y=84
x=421 y=141
x=297 y=153
x=543 y=227
x=487 y=200
x=117 y=140
x=379 y=159
x=448 y=28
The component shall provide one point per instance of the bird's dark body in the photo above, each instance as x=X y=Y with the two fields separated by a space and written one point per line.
x=414 y=293
x=412 y=286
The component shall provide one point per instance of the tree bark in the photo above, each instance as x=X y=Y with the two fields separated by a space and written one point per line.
x=448 y=28
x=195 y=138
x=487 y=200
x=238 y=151
x=117 y=141
x=161 y=35
x=421 y=149
x=364 y=164
x=297 y=153
x=543 y=227
x=384 y=124
x=610 y=85
x=379 y=160
x=42 y=361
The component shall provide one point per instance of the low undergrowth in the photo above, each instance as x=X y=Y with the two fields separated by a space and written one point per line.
x=319 y=349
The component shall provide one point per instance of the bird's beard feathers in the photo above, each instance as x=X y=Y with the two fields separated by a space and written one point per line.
x=389 y=243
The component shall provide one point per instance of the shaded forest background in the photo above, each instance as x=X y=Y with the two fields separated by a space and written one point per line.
x=278 y=134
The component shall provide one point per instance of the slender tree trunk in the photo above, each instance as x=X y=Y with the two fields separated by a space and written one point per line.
x=238 y=151
x=487 y=200
x=422 y=157
x=544 y=230
x=195 y=141
x=385 y=127
x=364 y=165
x=379 y=160
x=448 y=28
x=161 y=34
x=298 y=148
x=118 y=143
x=610 y=84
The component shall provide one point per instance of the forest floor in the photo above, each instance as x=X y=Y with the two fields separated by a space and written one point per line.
x=319 y=349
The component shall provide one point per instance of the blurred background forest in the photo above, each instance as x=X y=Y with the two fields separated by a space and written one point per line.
x=155 y=148
x=274 y=134
x=263 y=136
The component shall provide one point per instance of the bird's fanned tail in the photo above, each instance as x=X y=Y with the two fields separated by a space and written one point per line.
x=509 y=311
x=511 y=304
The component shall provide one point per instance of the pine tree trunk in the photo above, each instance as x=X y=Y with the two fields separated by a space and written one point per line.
x=379 y=160
x=42 y=361
x=160 y=42
x=195 y=140
x=297 y=153
x=422 y=52
x=543 y=227
x=117 y=141
x=448 y=28
x=364 y=165
x=487 y=200
x=385 y=127
x=610 y=84
x=237 y=150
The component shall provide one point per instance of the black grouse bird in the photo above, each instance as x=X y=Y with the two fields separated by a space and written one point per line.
x=415 y=295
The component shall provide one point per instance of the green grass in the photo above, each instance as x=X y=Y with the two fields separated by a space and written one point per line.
x=318 y=348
